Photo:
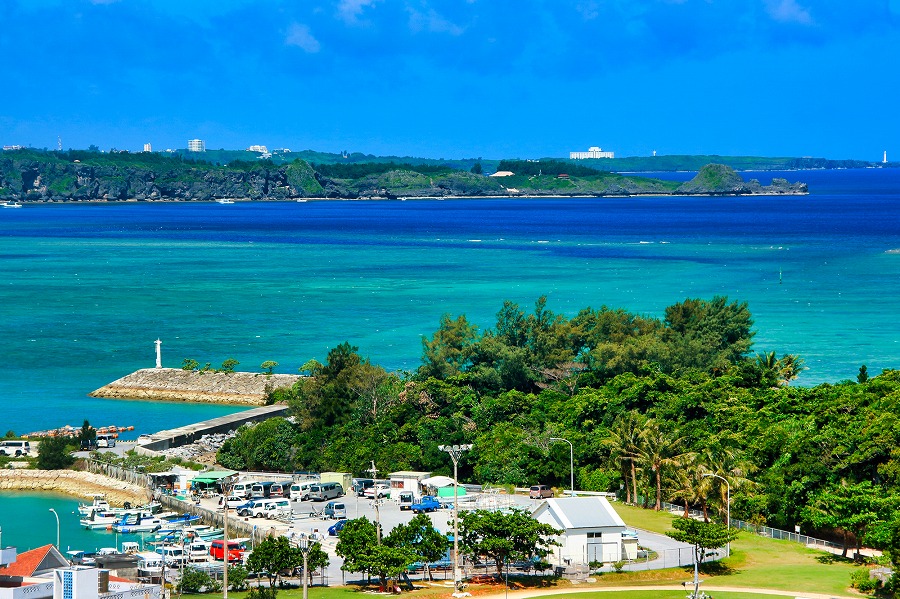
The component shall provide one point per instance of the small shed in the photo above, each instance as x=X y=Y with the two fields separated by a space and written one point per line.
x=592 y=530
x=345 y=479
x=441 y=487
x=211 y=479
x=407 y=480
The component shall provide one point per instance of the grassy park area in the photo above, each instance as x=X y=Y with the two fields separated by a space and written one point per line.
x=759 y=562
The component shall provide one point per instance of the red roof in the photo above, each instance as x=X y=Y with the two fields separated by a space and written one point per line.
x=35 y=562
x=26 y=563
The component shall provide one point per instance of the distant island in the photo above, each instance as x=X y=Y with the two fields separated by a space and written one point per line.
x=83 y=176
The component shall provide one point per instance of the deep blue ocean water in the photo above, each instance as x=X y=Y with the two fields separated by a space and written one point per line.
x=86 y=289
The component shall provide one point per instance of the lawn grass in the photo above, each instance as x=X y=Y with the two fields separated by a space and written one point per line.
x=761 y=562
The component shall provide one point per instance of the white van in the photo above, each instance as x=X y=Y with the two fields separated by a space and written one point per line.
x=16 y=448
x=242 y=489
x=278 y=508
x=105 y=441
x=300 y=491
x=323 y=491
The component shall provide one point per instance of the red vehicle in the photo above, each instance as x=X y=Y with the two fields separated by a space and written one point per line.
x=236 y=550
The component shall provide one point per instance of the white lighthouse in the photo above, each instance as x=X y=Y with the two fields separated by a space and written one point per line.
x=158 y=353
x=884 y=161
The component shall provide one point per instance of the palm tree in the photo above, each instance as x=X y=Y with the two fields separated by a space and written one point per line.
x=659 y=449
x=723 y=459
x=686 y=481
x=623 y=443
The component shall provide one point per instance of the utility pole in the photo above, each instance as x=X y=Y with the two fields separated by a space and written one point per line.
x=374 y=472
x=571 y=464
x=455 y=452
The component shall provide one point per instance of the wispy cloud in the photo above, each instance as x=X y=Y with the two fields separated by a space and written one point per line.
x=432 y=22
x=350 y=11
x=788 y=11
x=299 y=35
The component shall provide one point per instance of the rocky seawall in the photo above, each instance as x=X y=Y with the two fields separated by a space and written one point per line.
x=71 y=482
x=175 y=384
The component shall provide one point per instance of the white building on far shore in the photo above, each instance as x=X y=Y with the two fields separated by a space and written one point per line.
x=593 y=152
x=196 y=145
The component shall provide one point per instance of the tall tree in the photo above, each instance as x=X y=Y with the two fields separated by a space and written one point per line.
x=659 y=449
x=272 y=556
x=505 y=536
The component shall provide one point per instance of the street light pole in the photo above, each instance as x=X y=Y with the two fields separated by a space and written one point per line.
x=727 y=506
x=304 y=549
x=57 y=527
x=571 y=464
x=455 y=452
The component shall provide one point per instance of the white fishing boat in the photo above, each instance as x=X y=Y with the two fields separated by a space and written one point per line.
x=100 y=519
x=144 y=522
x=98 y=502
x=225 y=201
x=11 y=205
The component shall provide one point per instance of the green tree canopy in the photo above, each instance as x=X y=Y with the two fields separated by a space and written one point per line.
x=505 y=536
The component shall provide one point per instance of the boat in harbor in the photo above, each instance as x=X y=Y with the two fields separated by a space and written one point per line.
x=225 y=201
x=98 y=519
x=11 y=205
x=98 y=503
x=142 y=522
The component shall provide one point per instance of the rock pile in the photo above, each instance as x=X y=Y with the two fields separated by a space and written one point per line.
x=203 y=450
x=71 y=482
x=175 y=384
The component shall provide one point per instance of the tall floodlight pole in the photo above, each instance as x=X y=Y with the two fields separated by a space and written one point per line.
x=727 y=506
x=304 y=549
x=57 y=527
x=455 y=452
x=571 y=464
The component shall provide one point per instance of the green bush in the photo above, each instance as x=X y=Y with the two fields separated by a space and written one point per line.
x=861 y=581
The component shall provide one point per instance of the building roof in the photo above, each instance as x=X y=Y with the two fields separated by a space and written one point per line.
x=37 y=561
x=409 y=474
x=581 y=512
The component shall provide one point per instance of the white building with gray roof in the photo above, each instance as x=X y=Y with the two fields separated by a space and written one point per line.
x=592 y=530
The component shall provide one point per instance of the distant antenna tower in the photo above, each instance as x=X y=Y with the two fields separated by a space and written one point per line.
x=59 y=143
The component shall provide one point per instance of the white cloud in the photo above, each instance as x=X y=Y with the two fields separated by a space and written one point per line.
x=432 y=22
x=349 y=11
x=299 y=35
x=788 y=11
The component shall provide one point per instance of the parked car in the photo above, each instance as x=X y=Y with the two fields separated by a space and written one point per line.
x=16 y=448
x=335 y=510
x=406 y=499
x=255 y=508
x=359 y=485
x=336 y=528
x=236 y=550
x=540 y=492
x=278 y=508
x=377 y=492
x=426 y=504
x=300 y=490
x=233 y=501
x=324 y=491
x=105 y=441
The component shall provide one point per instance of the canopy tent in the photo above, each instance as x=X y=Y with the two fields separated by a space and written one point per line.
x=437 y=482
x=211 y=477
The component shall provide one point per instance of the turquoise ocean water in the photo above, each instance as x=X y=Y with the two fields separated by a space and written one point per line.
x=86 y=289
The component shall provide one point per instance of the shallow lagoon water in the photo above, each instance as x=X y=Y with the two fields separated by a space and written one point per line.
x=86 y=289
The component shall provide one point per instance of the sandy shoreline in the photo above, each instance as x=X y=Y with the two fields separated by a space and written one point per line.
x=75 y=483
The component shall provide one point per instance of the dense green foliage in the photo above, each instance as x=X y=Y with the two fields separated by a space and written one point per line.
x=359 y=545
x=273 y=556
x=359 y=170
x=505 y=536
x=555 y=168
x=652 y=407
x=54 y=453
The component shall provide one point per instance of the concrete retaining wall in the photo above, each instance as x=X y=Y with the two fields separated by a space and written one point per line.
x=192 y=432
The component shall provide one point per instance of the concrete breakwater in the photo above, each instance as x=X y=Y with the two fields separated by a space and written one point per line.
x=76 y=483
x=175 y=384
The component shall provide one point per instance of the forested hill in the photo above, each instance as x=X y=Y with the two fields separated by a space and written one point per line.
x=35 y=176
x=651 y=406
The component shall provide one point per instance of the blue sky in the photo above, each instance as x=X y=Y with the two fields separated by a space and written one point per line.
x=456 y=78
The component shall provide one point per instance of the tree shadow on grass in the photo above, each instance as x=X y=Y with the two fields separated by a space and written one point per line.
x=831 y=558
x=717 y=569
